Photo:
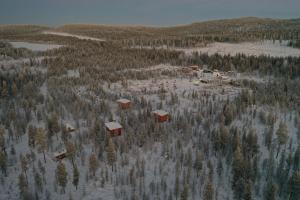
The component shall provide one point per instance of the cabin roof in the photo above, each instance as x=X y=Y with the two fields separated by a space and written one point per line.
x=69 y=126
x=160 y=112
x=113 y=125
x=123 y=100
x=60 y=152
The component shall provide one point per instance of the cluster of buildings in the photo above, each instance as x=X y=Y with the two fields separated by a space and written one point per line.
x=113 y=128
x=205 y=75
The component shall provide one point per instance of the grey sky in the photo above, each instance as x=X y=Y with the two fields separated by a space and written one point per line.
x=149 y=12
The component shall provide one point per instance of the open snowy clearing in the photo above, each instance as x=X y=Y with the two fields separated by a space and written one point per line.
x=73 y=35
x=249 y=48
x=35 y=46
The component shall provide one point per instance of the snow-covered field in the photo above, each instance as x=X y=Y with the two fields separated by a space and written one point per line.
x=249 y=48
x=73 y=35
x=35 y=46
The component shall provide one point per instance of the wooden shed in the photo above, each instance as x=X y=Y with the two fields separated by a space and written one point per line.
x=194 y=67
x=69 y=128
x=113 y=128
x=161 y=115
x=124 y=103
x=59 y=155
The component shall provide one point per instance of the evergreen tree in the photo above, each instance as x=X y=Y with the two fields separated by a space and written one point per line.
x=14 y=89
x=70 y=147
x=185 y=193
x=296 y=166
x=75 y=176
x=61 y=176
x=3 y=162
x=282 y=133
x=23 y=186
x=238 y=171
x=270 y=191
x=41 y=142
x=111 y=154
x=176 y=187
x=4 y=89
x=294 y=186
x=248 y=191
x=93 y=163
x=208 y=191
x=198 y=163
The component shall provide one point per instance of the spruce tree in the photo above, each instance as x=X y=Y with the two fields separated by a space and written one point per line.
x=294 y=186
x=41 y=142
x=93 y=164
x=75 y=176
x=3 y=162
x=111 y=154
x=208 y=191
x=61 y=176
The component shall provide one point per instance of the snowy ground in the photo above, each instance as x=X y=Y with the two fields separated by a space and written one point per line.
x=249 y=48
x=73 y=35
x=270 y=48
x=35 y=46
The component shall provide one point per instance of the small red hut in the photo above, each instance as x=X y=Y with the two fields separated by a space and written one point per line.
x=59 y=155
x=124 y=103
x=161 y=115
x=113 y=128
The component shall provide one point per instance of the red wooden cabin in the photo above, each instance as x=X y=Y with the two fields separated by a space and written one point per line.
x=161 y=115
x=124 y=103
x=113 y=128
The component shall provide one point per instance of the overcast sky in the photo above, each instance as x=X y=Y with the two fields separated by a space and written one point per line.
x=148 y=12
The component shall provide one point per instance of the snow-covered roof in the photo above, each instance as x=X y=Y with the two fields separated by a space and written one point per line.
x=113 y=125
x=123 y=101
x=160 y=112
x=69 y=126
x=58 y=153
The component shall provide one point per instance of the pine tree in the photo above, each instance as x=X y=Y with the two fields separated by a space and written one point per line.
x=14 y=89
x=53 y=124
x=70 y=147
x=31 y=136
x=2 y=139
x=282 y=133
x=38 y=181
x=248 y=191
x=208 y=191
x=3 y=162
x=296 y=166
x=238 y=171
x=185 y=193
x=41 y=142
x=24 y=165
x=61 y=176
x=294 y=186
x=93 y=163
x=75 y=176
x=198 y=163
x=270 y=191
x=4 y=91
x=111 y=154
x=23 y=185
x=176 y=187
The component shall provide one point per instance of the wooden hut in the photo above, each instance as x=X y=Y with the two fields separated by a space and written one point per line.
x=124 y=103
x=113 y=128
x=194 y=67
x=161 y=115
x=59 y=155
x=69 y=128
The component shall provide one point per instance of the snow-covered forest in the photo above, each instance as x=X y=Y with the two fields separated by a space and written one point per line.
x=233 y=127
